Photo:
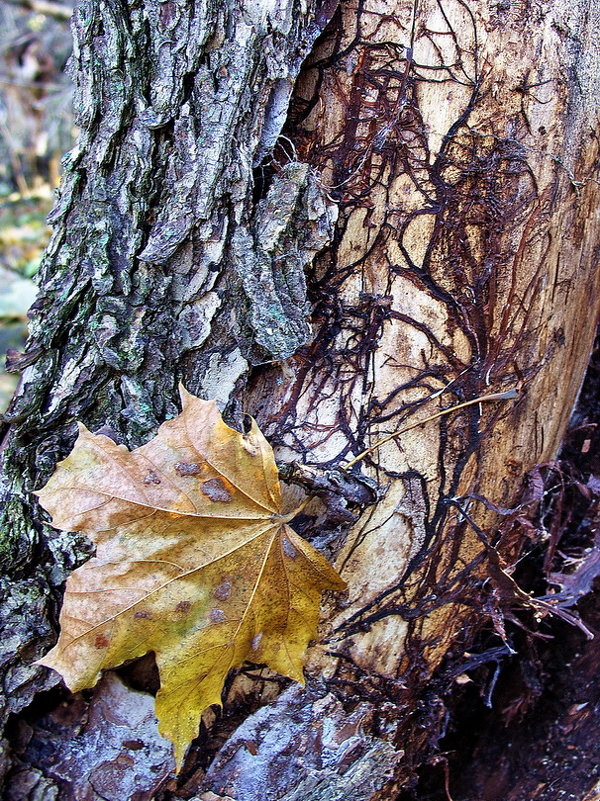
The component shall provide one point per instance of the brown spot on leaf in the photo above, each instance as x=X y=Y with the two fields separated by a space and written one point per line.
x=216 y=490
x=223 y=591
x=101 y=641
x=151 y=478
x=216 y=616
x=143 y=614
x=183 y=606
x=188 y=468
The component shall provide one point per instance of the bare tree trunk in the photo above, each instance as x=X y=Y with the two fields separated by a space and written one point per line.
x=425 y=226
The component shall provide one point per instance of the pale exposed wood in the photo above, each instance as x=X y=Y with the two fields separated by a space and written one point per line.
x=469 y=211
x=484 y=252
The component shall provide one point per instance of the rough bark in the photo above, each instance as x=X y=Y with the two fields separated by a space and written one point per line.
x=143 y=254
x=430 y=209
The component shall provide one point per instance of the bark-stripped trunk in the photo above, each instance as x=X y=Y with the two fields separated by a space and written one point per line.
x=426 y=224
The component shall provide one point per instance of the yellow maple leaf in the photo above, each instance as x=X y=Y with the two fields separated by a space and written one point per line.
x=194 y=562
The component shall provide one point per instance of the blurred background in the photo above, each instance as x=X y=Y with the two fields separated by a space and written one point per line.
x=35 y=131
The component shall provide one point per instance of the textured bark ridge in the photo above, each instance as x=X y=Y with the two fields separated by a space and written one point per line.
x=290 y=225
x=432 y=202
x=148 y=277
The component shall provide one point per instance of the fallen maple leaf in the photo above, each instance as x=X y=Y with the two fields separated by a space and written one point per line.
x=194 y=561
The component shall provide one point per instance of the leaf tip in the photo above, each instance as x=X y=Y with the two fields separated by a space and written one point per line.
x=340 y=584
x=184 y=395
x=189 y=402
x=47 y=662
x=83 y=431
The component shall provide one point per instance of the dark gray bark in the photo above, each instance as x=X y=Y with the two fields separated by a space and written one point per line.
x=148 y=278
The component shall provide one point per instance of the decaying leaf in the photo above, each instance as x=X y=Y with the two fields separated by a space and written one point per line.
x=194 y=562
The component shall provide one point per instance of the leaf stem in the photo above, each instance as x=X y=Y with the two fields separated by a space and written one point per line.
x=291 y=515
x=496 y=396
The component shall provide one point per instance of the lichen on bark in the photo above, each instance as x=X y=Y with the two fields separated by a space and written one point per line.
x=290 y=226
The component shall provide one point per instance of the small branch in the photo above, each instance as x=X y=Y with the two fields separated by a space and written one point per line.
x=496 y=396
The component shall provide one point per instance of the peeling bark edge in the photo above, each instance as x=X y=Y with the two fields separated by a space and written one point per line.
x=304 y=747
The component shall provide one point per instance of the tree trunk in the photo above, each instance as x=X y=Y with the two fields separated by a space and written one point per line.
x=407 y=219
